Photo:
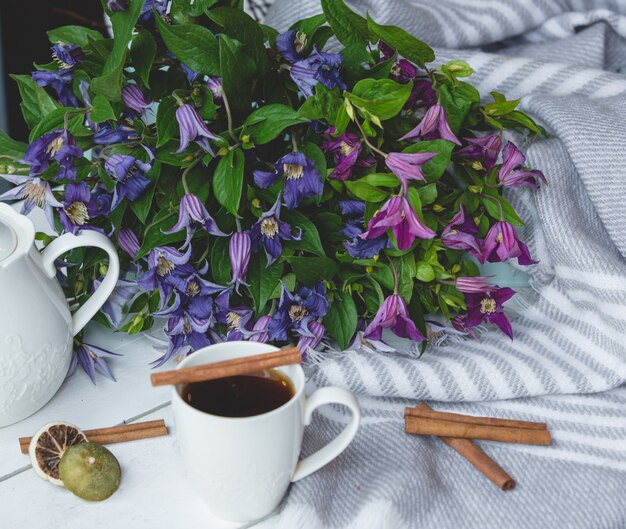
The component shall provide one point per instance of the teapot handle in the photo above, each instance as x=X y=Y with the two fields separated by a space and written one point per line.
x=68 y=242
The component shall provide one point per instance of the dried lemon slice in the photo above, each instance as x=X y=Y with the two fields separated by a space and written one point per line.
x=48 y=446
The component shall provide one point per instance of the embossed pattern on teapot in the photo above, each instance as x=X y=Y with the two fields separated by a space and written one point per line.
x=36 y=327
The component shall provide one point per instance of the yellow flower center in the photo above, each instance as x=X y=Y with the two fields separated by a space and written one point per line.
x=193 y=289
x=77 y=213
x=187 y=329
x=499 y=238
x=488 y=306
x=165 y=266
x=345 y=148
x=300 y=42
x=35 y=193
x=293 y=171
x=232 y=320
x=269 y=227
x=54 y=146
x=297 y=312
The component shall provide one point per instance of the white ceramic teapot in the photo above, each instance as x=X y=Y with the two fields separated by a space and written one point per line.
x=36 y=327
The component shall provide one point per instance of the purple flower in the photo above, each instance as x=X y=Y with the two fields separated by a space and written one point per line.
x=186 y=334
x=58 y=145
x=76 y=204
x=108 y=135
x=359 y=248
x=236 y=319
x=291 y=44
x=346 y=150
x=134 y=98
x=146 y=17
x=239 y=252
x=117 y=5
x=474 y=284
x=60 y=81
x=434 y=125
x=422 y=95
x=393 y=314
x=193 y=128
x=129 y=173
x=461 y=233
x=191 y=213
x=306 y=343
x=484 y=149
x=367 y=248
x=501 y=243
x=403 y=71
x=398 y=215
x=260 y=331
x=408 y=166
x=100 y=203
x=67 y=55
x=269 y=230
x=35 y=192
x=513 y=174
x=488 y=307
x=214 y=84
x=297 y=311
x=91 y=359
x=113 y=308
x=128 y=242
x=301 y=178
x=319 y=67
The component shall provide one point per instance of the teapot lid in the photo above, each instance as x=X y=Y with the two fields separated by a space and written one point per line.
x=8 y=241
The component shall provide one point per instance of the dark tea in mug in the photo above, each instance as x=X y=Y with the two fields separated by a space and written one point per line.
x=241 y=395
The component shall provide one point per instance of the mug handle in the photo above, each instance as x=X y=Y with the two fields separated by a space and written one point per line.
x=69 y=241
x=326 y=454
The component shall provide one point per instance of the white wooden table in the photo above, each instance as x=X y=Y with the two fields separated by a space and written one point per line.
x=153 y=493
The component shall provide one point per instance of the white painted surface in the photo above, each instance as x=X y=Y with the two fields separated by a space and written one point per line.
x=154 y=492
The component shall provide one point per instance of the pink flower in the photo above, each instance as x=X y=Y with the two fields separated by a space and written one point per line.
x=408 y=166
x=434 y=125
x=393 y=314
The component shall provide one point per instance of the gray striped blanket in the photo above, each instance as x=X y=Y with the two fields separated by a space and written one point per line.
x=567 y=364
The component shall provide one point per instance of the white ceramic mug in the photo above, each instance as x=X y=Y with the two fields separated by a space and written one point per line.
x=242 y=466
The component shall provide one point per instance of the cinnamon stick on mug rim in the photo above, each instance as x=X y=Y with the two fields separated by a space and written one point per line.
x=116 y=434
x=227 y=368
x=428 y=412
x=476 y=457
x=442 y=428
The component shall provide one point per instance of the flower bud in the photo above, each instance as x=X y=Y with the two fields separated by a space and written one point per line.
x=473 y=189
x=256 y=203
x=103 y=269
x=477 y=165
x=11 y=169
x=369 y=269
x=438 y=208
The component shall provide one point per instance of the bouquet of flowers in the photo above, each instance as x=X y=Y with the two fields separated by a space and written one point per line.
x=261 y=188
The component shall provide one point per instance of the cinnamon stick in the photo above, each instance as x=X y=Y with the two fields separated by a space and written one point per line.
x=116 y=434
x=428 y=412
x=227 y=368
x=442 y=428
x=475 y=456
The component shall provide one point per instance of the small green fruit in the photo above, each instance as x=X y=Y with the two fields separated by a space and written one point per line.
x=90 y=471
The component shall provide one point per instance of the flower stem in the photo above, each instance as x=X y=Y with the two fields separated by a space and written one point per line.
x=395 y=276
x=367 y=142
x=499 y=205
x=187 y=171
x=229 y=116
x=294 y=143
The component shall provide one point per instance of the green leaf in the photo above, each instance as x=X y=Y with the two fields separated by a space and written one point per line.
x=501 y=108
x=380 y=180
x=424 y=272
x=193 y=45
x=310 y=241
x=309 y=25
x=365 y=192
x=428 y=193
x=101 y=109
x=262 y=281
x=316 y=155
x=341 y=318
x=323 y=105
x=241 y=26
x=36 y=103
x=55 y=120
x=228 y=180
x=382 y=97
x=404 y=43
x=406 y=273
x=434 y=169
x=237 y=70
x=309 y=270
x=348 y=27
x=500 y=209
x=267 y=122
x=142 y=54
x=220 y=261
x=74 y=35
x=166 y=123
x=154 y=236
x=516 y=118
x=123 y=23
x=11 y=147
x=110 y=84
x=457 y=101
